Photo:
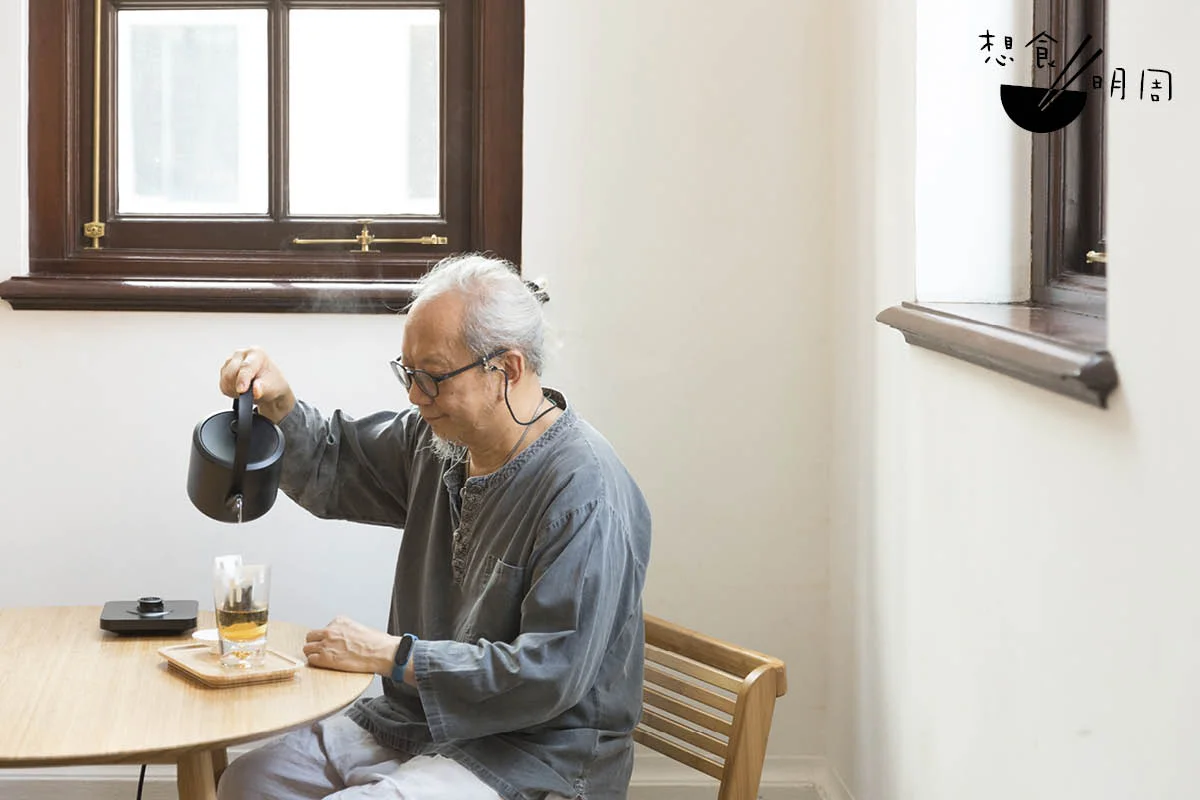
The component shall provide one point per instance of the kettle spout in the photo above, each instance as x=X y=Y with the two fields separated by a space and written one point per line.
x=236 y=502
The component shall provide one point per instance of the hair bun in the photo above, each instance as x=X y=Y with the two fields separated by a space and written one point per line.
x=538 y=291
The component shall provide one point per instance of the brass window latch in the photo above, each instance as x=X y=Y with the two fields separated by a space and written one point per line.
x=365 y=239
x=95 y=232
x=1095 y=257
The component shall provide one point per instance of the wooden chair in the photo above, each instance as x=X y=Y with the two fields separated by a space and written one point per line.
x=708 y=704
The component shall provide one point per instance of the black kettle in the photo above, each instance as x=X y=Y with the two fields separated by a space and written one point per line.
x=237 y=458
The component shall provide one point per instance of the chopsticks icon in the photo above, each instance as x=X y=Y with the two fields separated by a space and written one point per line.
x=1052 y=93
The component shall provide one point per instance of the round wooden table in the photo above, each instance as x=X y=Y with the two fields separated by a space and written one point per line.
x=71 y=693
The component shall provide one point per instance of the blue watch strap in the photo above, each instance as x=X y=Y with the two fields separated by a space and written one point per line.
x=407 y=642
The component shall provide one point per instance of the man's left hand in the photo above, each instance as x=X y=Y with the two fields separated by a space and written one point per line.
x=351 y=647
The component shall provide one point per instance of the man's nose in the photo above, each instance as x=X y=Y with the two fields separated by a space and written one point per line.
x=417 y=396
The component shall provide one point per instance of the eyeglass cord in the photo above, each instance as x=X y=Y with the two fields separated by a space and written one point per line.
x=520 y=441
x=526 y=425
x=553 y=405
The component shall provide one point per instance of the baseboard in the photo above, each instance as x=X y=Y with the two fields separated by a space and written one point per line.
x=87 y=783
x=655 y=777
x=830 y=785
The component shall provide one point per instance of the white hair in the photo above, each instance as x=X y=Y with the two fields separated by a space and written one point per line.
x=500 y=310
x=446 y=450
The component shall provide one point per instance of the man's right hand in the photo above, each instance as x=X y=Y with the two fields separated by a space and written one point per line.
x=271 y=390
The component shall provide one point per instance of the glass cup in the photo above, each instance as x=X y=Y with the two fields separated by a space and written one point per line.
x=241 y=594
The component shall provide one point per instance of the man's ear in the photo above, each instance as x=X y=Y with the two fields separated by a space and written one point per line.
x=513 y=365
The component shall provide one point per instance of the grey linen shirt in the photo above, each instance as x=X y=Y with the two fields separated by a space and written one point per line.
x=523 y=586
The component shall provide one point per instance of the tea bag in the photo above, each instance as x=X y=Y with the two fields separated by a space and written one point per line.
x=227 y=573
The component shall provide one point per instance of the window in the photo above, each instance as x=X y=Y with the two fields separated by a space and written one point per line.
x=1069 y=266
x=1059 y=341
x=286 y=155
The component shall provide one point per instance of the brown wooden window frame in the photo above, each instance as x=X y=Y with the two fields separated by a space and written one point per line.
x=1068 y=171
x=1059 y=339
x=168 y=264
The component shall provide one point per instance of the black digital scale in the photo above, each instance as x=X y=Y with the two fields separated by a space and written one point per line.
x=149 y=616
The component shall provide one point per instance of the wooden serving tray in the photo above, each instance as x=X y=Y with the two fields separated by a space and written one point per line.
x=200 y=662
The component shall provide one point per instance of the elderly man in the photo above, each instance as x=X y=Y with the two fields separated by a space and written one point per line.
x=512 y=663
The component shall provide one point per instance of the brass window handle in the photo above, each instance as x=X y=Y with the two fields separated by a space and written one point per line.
x=365 y=238
x=1096 y=256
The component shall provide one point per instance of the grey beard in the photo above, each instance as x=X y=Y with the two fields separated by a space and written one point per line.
x=446 y=450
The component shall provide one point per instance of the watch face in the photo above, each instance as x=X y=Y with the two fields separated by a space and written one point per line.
x=406 y=643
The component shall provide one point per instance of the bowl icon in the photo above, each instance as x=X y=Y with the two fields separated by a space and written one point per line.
x=1024 y=106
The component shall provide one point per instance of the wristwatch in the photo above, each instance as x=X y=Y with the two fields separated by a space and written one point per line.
x=403 y=653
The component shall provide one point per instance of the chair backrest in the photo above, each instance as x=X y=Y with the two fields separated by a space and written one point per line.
x=709 y=704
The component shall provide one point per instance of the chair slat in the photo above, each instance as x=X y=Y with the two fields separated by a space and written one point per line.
x=660 y=677
x=697 y=738
x=653 y=697
x=708 y=650
x=662 y=744
x=687 y=666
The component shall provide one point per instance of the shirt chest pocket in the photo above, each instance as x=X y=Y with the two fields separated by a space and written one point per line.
x=494 y=612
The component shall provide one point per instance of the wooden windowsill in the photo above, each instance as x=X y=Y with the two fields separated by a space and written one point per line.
x=1063 y=351
x=108 y=293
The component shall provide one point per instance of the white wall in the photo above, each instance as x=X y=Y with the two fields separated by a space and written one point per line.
x=975 y=251
x=1013 y=599
x=677 y=162
x=675 y=183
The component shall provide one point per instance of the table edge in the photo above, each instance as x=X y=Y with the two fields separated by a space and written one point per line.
x=166 y=755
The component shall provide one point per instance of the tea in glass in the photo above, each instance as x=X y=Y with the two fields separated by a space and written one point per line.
x=242 y=597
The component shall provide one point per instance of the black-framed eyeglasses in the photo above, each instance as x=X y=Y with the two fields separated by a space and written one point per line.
x=427 y=382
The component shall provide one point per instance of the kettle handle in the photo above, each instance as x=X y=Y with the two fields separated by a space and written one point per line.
x=244 y=406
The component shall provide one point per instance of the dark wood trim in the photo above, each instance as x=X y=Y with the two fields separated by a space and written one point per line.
x=1072 y=294
x=483 y=118
x=500 y=76
x=1051 y=348
x=206 y=264
x=135 y=235
x=1073 y=291
x=1047 y=174
x=26 y=292
x=277 y=114
x=53 y=141
x=1068 y=172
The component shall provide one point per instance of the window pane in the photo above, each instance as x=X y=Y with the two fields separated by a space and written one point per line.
x=192 y=112
x=364 y=106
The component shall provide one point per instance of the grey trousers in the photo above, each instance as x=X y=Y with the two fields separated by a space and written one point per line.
x=335 y=758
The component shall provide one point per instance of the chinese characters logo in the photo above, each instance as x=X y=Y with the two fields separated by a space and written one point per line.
x=1043 y=110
